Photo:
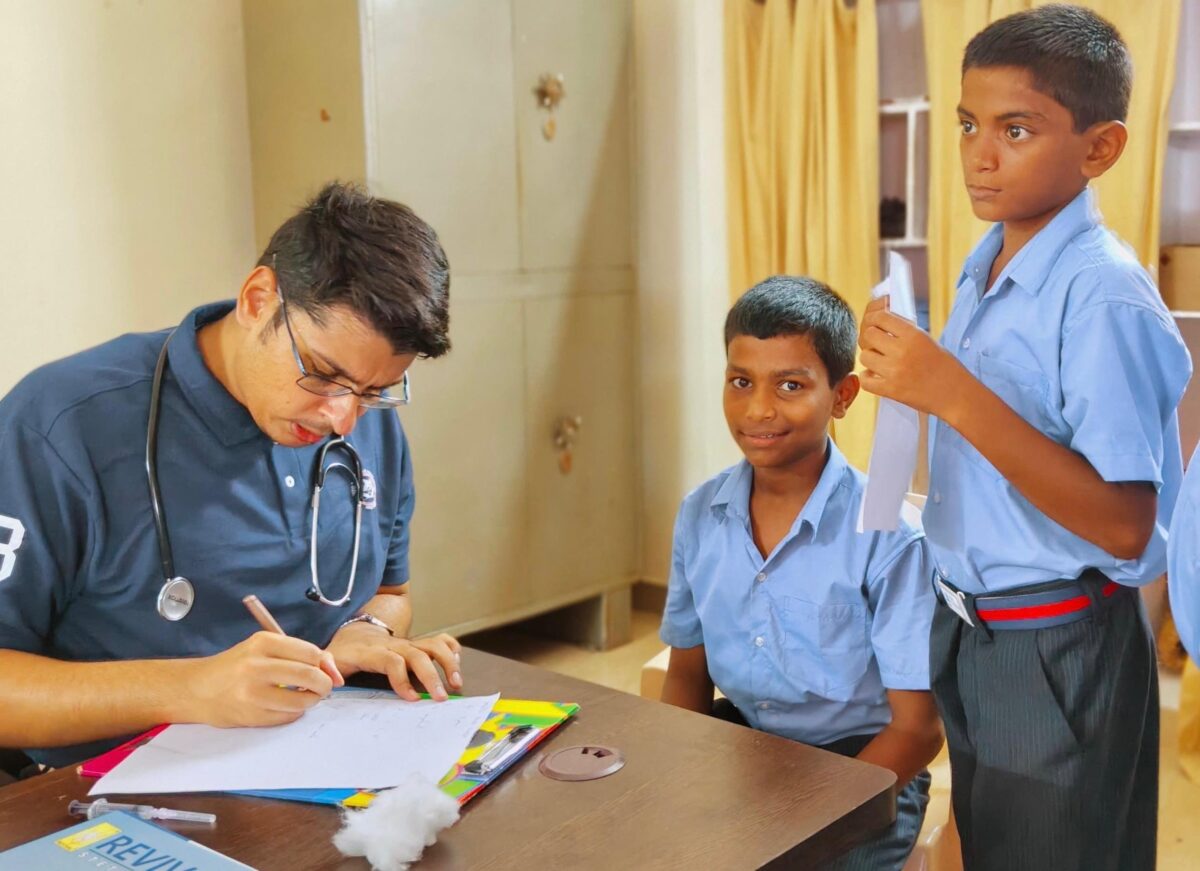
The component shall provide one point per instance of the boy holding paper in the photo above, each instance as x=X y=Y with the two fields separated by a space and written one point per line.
x=1055 y=462
x=812 y=631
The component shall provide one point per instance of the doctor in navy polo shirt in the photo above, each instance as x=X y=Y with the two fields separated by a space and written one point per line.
x=317 y=345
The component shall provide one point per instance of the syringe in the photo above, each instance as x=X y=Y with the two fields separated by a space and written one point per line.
x=144 y=811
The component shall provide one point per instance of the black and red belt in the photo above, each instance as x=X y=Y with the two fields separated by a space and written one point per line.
x=1039 y=606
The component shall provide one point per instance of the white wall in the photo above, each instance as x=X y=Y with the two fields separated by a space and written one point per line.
x=125 y=167
x=683 y=272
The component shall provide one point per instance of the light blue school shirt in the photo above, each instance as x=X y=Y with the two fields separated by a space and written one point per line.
x=807 y=641
x=1075 y=338
x=82 y=580
x=1183 y=560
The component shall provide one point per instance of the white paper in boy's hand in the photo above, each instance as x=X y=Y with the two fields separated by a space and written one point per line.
x=897 y=427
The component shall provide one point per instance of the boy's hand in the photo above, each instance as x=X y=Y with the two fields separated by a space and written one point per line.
x=904 y=363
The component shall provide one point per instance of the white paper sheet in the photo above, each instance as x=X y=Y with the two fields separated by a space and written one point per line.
x=897 y=427
x=338 y=744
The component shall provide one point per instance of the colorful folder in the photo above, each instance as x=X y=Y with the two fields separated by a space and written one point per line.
x=459 y=783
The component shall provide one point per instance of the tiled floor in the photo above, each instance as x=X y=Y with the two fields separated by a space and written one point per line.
x=1178 y=797
x=620 y=668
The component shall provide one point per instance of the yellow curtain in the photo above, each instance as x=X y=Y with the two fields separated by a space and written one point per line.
x=1129 y=194
x=802 y=155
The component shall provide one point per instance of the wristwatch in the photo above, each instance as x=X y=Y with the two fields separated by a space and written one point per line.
x=374 y=621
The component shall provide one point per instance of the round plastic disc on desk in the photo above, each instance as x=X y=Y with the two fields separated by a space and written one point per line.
x=589 y=762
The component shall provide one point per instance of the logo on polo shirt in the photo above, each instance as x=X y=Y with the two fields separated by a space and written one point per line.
x=12 y=533
x=368 y=494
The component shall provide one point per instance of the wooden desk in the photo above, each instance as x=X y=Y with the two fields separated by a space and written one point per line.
x=695 y=793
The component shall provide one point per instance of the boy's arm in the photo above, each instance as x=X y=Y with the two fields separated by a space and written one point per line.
x=688 y=684
x=908 y=743
x=905 y=364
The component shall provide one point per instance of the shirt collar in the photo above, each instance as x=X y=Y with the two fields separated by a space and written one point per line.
x=733 y=496
x=1032 y=264
x=225 y=416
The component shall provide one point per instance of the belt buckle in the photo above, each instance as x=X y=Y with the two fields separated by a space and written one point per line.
x=955 y=600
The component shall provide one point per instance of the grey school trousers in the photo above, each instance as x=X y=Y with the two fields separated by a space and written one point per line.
x=1053 y=737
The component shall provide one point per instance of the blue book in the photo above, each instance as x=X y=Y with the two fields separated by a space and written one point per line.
x=122 y=841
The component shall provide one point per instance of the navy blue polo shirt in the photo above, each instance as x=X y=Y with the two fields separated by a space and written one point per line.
x=79 y=560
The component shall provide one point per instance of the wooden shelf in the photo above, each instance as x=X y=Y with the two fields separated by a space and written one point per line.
x=907 y=108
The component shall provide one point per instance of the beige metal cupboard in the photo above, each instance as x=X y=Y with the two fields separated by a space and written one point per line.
x=539 y=234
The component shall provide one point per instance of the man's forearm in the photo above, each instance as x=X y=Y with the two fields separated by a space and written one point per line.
x=1062 y=484
x=50 y=703
x=394 y=609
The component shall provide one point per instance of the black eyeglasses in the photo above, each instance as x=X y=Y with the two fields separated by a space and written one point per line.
x=323 y=386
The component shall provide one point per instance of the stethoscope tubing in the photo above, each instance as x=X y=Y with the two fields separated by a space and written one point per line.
x=177 y=595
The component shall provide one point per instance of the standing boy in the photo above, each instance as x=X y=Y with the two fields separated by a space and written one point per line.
x=811 y=630
x=1054 y=463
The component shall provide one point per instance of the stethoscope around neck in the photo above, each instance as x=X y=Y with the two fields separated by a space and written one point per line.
x=177 y=595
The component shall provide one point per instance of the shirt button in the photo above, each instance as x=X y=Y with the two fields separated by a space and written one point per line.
x=290 y=481
x=937 y=498
x=764 y=706
x=966 y=343
x=759 y=641
x=760 y=577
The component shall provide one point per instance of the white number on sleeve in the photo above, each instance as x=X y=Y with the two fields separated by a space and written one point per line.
x=8 y=549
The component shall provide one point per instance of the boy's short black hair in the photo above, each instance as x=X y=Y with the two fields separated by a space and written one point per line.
x=371 y=255
x=787 y=305
x=1075 y=56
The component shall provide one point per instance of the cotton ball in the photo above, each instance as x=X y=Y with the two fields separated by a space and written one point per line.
x=397 y=826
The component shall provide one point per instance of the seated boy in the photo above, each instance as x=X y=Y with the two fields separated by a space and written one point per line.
x=811 y=630
x=1055 y=461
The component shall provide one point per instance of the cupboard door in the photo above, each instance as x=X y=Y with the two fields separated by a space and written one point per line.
x=466 y=428
x=582 y=530
x=575 y=188
x=439 y=110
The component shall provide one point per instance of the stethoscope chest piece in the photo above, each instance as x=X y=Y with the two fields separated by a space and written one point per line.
x=175 y=599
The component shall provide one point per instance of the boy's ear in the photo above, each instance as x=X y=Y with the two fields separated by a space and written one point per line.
x=843 y=395
x=1106 y=142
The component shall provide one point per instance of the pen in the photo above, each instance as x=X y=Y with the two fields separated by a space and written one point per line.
x=500 y=751
x=260 y=613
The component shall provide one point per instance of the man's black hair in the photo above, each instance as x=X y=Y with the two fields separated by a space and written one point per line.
x=786 y=305
x=1074 y=56
x=373 y=256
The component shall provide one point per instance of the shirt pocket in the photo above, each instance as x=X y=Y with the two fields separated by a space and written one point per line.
x=827 y=646
x=1021 y=388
